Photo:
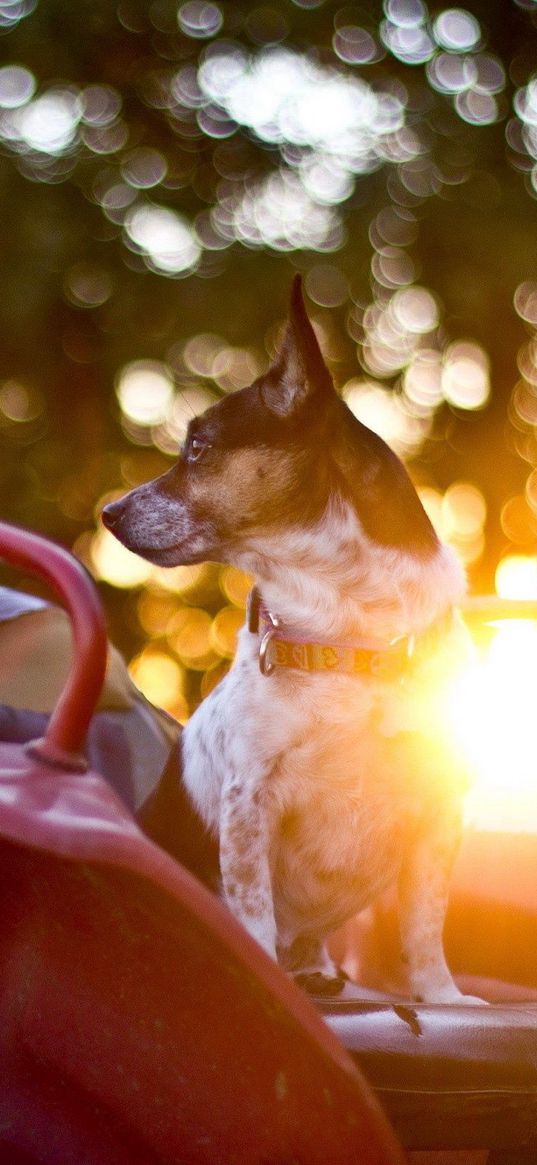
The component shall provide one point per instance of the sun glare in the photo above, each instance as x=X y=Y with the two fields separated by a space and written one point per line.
x=493 y=709
x=492 y=714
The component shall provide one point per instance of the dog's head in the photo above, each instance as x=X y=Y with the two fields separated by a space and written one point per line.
x=272 y=457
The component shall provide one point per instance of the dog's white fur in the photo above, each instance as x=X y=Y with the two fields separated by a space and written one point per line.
x=321 y=754
x=322 y=788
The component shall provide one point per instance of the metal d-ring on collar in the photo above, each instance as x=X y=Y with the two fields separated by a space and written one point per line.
x=254 y=617
x=266 y=668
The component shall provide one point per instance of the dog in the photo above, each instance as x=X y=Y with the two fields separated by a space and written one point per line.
x=313 y=762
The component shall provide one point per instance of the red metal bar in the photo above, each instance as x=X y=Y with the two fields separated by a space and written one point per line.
x=70 y=719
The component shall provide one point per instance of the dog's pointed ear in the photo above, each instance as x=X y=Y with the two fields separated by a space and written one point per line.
x=299 y=371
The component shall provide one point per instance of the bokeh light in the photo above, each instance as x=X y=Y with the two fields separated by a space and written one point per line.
x=422 y=380
x=326 y=285
x=199 y=19
x=384 y=412
x=169 y=434
x=225 y=628
x=415 y=310
x=19 y=402
x=87 y=285
x=404 y=33
x=284 y=97
x=278 y=213
x=189 y=634
x=457 y=30
x=516 y=576
x=525 y=301
x=179 y=580
x=329 y=127
x=161 y=679
x=144 y=168
x=356 y=46
x=17 y=86
x=465 y=375
x=235 y=585
x=463 y=517
x=145 y=391
x=48 y=123
x=458 y=516
x=165 y=238
x=12 y=11
x=116 y=565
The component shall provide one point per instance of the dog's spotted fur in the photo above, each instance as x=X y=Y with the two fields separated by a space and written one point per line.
x=322 y=789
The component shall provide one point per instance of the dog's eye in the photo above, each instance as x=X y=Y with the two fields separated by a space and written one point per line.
x=196 y=448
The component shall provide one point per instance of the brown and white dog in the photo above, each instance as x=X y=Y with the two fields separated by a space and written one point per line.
x=314 y=762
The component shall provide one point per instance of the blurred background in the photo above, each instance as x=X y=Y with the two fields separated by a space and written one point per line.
x=165 y=168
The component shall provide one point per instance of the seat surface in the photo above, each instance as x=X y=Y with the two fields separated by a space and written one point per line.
x=448 y=1077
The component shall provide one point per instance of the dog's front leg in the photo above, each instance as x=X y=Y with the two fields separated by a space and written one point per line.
x=244 y=858
x=423 y=893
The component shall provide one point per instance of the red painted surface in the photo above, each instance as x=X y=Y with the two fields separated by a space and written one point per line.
x=128 y=992
x=138 y=1021
x=67 y=578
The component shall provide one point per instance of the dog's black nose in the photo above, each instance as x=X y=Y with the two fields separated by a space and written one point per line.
x=112 y=514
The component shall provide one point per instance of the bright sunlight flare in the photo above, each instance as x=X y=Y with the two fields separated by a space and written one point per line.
x=493 y=716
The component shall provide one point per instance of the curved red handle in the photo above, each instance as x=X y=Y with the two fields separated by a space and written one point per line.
x=69 y=722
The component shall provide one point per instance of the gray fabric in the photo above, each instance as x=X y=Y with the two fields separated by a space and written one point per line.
x=15 y=603
x=127 y=746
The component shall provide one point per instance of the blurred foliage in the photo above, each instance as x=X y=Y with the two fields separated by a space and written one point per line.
x=165 y=167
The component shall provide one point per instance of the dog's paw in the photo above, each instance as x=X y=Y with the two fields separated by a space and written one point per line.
x=453 y=997
x=318 y=983
x=470 y=1001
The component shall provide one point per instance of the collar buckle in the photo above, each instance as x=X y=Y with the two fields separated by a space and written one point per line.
x=265 y=666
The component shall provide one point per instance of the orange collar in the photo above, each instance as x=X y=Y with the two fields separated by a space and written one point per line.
x=363 y=657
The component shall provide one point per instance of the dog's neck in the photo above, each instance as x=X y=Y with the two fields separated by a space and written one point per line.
x=331 y=582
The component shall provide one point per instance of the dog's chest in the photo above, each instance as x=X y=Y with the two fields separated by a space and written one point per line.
x=334 y=777
x=336 y=790
x=345 y=805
